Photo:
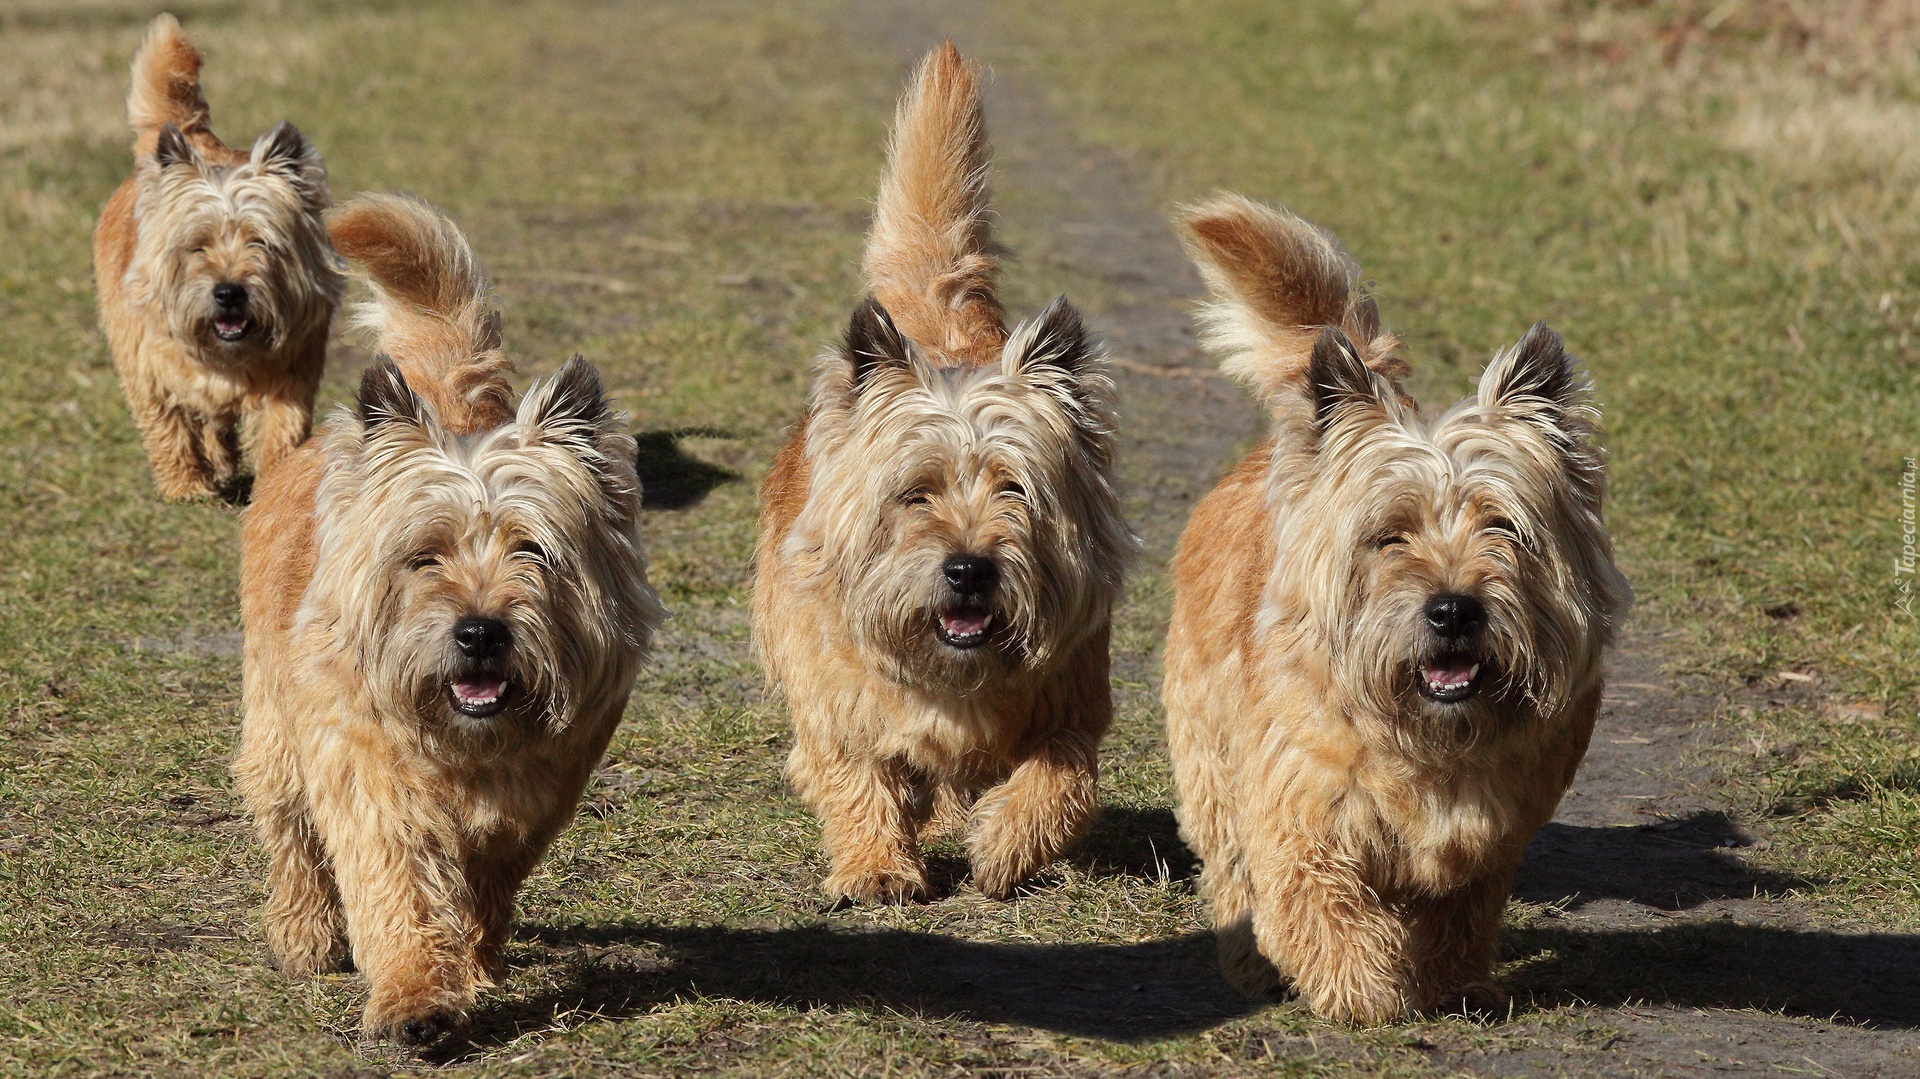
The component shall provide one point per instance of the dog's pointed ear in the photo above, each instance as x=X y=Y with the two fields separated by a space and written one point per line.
x=1339 y=383
x=568 y=409
x=1055 y=341
x=873 y=343
x=386 y=398
x=172 y=148
x=1535 y=377
x=285 y=152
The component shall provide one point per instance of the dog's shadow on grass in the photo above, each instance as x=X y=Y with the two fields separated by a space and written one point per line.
x=1120 y=992
x=670 y=478
x=1613 y=878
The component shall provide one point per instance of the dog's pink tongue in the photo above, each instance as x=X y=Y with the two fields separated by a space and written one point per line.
x=480 y=690
x=1451 y=672
x=966 y=623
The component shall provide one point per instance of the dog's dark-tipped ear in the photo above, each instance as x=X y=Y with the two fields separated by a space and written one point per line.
x=385 y=396
x=286 y=152
x=1337 y=380
x=1057 y=339
x=1535 y=376
x=570 y=408
x=172 y=148
x=873 y=343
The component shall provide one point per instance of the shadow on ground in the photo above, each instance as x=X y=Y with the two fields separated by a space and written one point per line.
x=1119 y=992
x=1669 y=865
x=670 y=478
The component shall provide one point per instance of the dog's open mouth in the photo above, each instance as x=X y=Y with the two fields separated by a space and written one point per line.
x=1449 y=679
x=478 y=695
x=232 y=327
x=965 y=627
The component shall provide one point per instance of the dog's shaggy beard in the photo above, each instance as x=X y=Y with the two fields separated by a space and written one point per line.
x=915 y=464
x=1498 y=501
x=533 y=524
x=257 y=225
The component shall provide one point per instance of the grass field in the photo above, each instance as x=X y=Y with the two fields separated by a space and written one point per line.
x=1716 y=205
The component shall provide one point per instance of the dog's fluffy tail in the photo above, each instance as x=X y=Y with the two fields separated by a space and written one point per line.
x=930 y=257
x=1276 y=282
x=166 y=89
x=430 y=309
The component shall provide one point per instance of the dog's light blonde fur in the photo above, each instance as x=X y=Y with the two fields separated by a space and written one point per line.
x=935 y=434
x=196 y=215
x=398 y=826
x=1360 y=835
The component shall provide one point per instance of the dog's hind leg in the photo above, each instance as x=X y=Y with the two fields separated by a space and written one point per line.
x=867 y=822
x=303 y=921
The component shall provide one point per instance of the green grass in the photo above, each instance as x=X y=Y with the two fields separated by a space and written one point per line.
x=677 y=191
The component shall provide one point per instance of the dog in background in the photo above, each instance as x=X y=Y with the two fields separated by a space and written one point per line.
x=216 y=284
x=941 y=545
x=446 y=605
x=1385 y=657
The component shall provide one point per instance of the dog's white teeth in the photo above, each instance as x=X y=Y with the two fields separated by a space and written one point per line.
x=1473 y=672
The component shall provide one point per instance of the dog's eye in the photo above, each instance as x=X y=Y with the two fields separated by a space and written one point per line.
x=423 y=560
x=1389 y=539
x=1502 y=527
x=1013 y=490
x=531 y=550
x=916 y=497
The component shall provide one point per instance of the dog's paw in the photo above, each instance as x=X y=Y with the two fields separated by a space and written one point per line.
x=1477 y=1000
x=999 y=880
x=885 y=886
x=417 y=1028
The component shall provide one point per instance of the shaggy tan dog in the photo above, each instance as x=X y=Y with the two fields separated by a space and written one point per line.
x=941 y=546
x=1385 y=657
x=215 y=281
x=446 y=605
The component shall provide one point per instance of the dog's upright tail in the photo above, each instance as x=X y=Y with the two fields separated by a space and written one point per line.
x=930 y=257
x=1277 y=281
x=166 y=89
x=430 y=308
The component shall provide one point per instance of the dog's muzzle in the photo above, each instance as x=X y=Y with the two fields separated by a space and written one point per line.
x=479 y=689
x=1453 y=672
x=967 y=621
x=231 y=323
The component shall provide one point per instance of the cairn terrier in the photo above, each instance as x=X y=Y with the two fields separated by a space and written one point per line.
x=941 y=545
x=215 y=281
x=446 y=604
x=1385 y=657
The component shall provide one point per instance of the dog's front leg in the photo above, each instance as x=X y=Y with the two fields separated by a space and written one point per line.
x=1315 y=917
x=410 y=916
x=1455 y=941
x=1028 y=821
x=867 y=822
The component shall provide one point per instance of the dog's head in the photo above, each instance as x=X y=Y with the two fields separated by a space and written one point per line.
x=488 y=583
x=966 y=514
x=1459 y=572
x=237 y=255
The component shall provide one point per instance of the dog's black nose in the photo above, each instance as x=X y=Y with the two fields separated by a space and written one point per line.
x=1455 y=615
x=970 y=573
x=478 y=638
x=229 y=295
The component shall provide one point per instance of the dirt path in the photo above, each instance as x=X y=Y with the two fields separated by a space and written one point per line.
x=1662 y=952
